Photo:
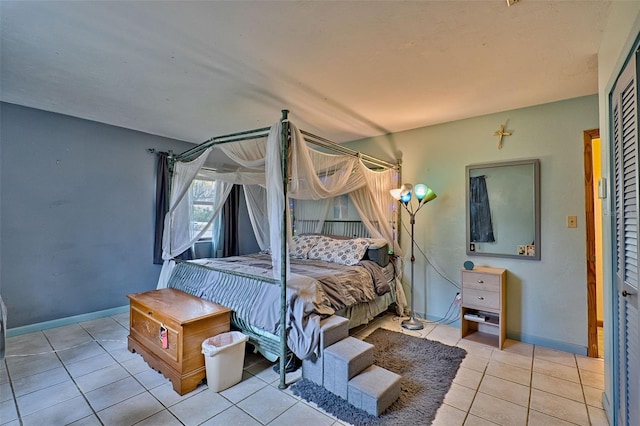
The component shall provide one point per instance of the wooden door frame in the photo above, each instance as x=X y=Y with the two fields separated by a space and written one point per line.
x=589 y=207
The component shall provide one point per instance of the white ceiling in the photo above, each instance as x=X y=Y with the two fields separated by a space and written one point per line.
x=346 y=69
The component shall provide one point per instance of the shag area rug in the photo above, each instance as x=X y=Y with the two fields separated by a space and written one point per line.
x=427 y=368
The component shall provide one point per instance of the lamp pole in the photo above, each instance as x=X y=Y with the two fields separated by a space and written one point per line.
x=423 y=194
x=412 y=323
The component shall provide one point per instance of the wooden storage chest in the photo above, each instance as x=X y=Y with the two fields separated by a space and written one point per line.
x=188 y=321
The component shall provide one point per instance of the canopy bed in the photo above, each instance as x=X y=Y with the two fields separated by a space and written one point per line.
x=290 y=179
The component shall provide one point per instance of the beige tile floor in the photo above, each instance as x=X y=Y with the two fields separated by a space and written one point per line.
x=92 y=379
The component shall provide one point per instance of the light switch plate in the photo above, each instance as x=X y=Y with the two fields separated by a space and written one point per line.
x=572 y=221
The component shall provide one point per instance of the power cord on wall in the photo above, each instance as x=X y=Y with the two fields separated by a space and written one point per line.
x=435 y=267
x=452 y=315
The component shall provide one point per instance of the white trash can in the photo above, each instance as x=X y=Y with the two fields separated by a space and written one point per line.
x=224 y=359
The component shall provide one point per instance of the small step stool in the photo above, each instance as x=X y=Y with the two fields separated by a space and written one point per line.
x=332 y=330
x=342 y=361
x=344 y=366
x=374 y=390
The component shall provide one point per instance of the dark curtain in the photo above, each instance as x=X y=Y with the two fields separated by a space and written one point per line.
x=481 y=226
x=162 y=203
x=230 y=212
x=162 y=207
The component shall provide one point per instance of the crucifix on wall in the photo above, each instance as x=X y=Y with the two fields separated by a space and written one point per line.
x=500 y=133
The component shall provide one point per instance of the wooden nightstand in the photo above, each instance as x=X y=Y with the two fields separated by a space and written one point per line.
x=188 y=321
x=483 y=309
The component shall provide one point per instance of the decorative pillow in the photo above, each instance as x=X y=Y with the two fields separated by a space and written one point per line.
x=344 y=252
x=302 y=244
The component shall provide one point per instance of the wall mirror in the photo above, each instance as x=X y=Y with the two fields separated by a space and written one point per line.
x=503 y=209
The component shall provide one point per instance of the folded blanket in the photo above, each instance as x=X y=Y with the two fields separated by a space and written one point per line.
x=380 y=282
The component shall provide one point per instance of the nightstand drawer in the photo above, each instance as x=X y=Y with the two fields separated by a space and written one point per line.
x=481 y=281
x=481 y=299
x=483 y=308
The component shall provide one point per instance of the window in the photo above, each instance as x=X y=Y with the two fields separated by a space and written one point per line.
x=201 y=195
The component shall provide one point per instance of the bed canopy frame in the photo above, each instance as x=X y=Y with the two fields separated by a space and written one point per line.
x=279 y=235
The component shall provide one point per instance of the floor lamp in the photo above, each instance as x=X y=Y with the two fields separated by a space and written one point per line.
x=423 y=194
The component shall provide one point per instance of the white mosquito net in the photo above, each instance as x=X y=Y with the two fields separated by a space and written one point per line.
x=256 y=164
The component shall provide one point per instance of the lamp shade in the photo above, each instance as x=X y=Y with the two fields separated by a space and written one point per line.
x=405 y=195
x=396 y=193
x=424 y=193
x=421 y=191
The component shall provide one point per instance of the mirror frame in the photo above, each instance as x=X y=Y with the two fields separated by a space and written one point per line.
x=536 y=193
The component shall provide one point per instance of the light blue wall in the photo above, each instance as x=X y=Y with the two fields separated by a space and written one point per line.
x=77 y=214
x=546 y=300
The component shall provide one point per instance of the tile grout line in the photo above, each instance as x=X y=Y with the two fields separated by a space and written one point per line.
x=130 y=374
x=64 y=365
x=475 y=394
x=112 y=357
x=13 y=392
x=580 y=383
x=51 y=350
x=533 y=357
x=253 y=393
x=584 y=398
x=476 y=390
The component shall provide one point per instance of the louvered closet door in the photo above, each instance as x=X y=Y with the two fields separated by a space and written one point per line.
x=624 y=126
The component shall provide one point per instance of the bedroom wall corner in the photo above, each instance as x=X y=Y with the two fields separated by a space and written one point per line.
x=76 y=213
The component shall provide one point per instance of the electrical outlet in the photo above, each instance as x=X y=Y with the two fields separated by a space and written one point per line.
x=572 y=221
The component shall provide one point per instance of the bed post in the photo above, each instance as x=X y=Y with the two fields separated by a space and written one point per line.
x=283 y=251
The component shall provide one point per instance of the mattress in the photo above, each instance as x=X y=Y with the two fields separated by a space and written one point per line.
x=315 y=289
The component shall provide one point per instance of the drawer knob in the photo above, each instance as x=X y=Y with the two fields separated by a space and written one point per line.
x=480 y=281
x=480 y=298
x=149 y=313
